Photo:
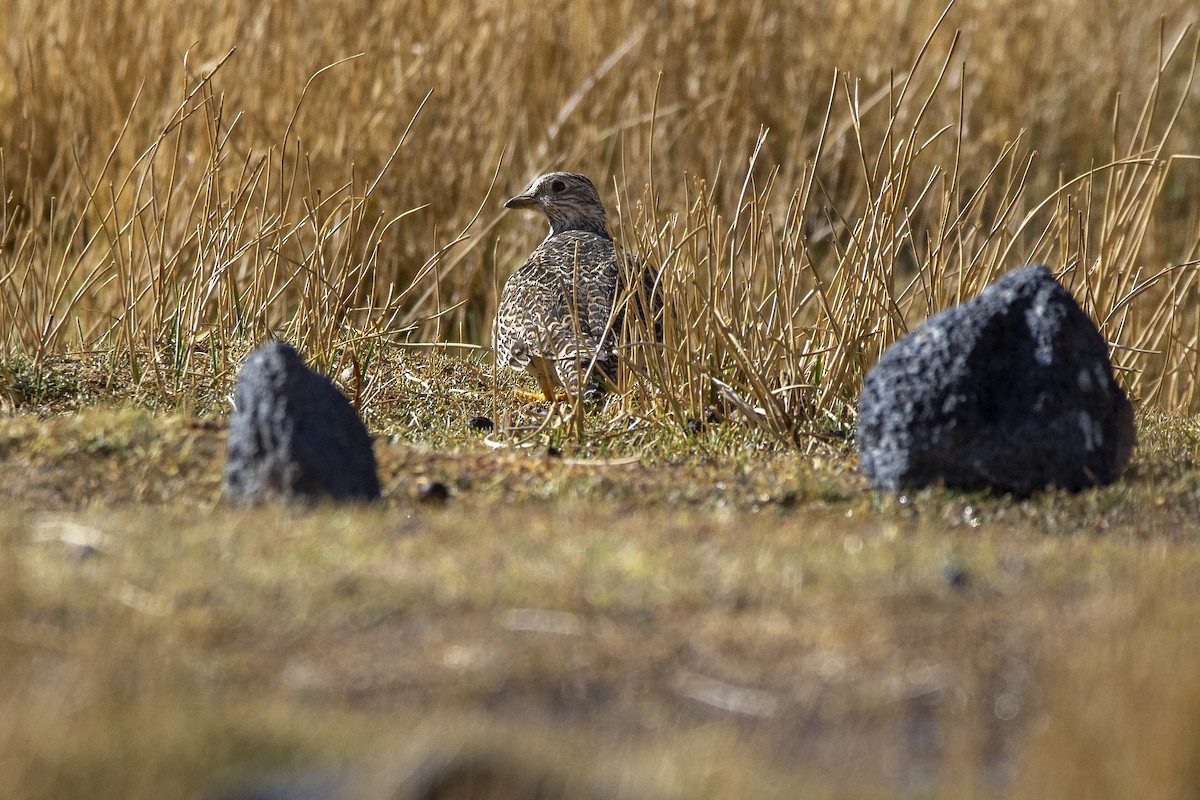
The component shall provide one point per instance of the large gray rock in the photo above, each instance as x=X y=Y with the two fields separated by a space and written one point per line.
x=292 y=434
x=1012 y=390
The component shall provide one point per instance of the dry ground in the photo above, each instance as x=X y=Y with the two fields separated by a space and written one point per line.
x=680 y=617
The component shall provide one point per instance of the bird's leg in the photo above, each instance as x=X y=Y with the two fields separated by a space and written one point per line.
x=541 y=396
x=550 y=392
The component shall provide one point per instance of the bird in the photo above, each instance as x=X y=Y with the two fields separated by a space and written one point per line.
x=561 y=314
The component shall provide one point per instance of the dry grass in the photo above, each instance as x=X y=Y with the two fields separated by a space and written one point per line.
x=180 y=182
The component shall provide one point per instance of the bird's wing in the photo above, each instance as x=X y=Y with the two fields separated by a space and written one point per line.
x=594 y=276
x=639 y=293
x=537 y=310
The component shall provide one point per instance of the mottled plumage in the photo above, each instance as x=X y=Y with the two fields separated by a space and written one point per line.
x=558 y=316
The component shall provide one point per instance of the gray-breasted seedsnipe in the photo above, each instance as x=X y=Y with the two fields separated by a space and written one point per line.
x=561 y=313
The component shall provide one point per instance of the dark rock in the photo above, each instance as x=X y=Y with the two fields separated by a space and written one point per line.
x=480 y=424
x=433 y=492
x=1012 y=390
x=294 y=435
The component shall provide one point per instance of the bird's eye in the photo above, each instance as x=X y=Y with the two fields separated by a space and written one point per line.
x=557 y=187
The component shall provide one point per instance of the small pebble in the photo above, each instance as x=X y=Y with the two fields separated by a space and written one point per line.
x=433 y=492
x=480 y=424
x=956 y=577
x=83 y=551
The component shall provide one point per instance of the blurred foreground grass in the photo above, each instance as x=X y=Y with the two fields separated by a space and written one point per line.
x=660 y=617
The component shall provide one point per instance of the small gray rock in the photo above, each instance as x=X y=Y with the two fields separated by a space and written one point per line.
x=480 y=423
x=433 y=492
x=1012 y=390
x=294 y=435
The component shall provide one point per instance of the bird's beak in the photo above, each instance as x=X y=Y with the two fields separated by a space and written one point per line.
x=521 y=201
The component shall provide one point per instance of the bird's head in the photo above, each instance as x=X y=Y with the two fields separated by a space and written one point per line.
x=569 y=201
